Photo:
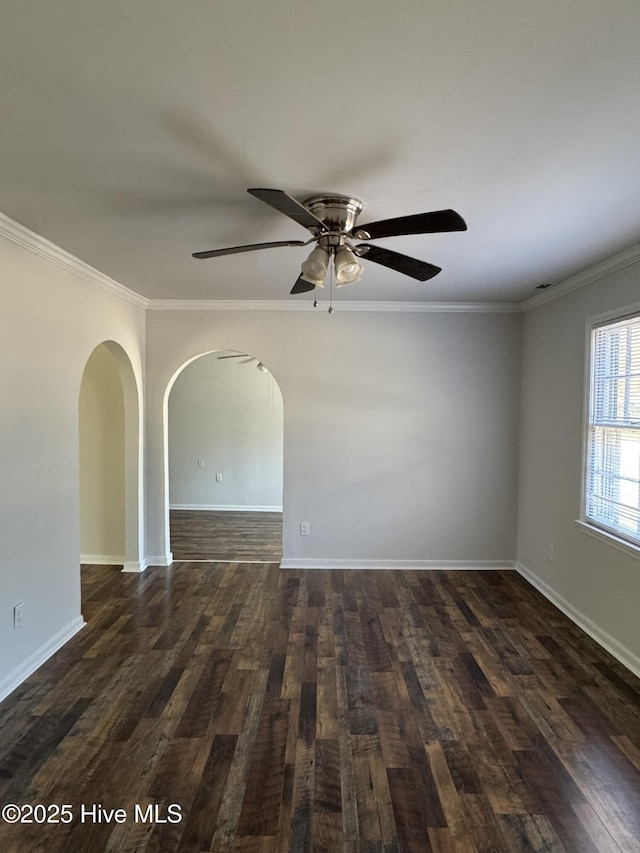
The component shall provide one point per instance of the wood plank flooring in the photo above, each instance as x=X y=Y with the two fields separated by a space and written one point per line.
x=213 y=535
x=378 y=712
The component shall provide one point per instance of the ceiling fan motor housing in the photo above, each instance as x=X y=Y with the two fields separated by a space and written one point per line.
x=338 y=212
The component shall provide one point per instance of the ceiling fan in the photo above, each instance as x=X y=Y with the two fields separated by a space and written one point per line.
x=331 y=219
x=246 y=359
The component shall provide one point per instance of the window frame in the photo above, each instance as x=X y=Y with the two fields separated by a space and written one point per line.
x=614 y=536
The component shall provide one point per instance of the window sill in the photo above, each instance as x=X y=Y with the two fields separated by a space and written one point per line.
x=611 y=539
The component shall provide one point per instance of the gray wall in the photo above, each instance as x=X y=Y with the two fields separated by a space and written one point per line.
x=401 y=435
x=596 y=582
x=51 y=321
x=401 y=429
x=228 y=414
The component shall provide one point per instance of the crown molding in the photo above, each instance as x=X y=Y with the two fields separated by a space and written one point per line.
x=38 y=245
x=625 y=258
x=294 y=305
x=23 y=236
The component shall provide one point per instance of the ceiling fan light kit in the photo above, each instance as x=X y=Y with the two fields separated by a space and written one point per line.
x=348 y=269
x=315 y=267
x=331 y=219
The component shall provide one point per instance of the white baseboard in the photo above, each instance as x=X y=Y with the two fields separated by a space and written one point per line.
x=614 y=647
x=164 y=560
x=29 y=666
x=226 y=507
x=135 y=566
x=397 y=565
x=102 y=559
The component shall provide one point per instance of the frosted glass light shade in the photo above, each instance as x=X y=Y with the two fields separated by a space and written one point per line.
x=348 y=269
x=316 y=282
x=315 y=267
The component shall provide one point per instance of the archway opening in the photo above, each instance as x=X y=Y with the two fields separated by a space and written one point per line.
x=225 y=460
x=110 y=474
x=102 y=465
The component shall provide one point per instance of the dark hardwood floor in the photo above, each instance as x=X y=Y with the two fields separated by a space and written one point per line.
x=325 y=711
x=235 y=536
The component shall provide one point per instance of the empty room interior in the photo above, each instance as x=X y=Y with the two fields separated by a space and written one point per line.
x=320 y=433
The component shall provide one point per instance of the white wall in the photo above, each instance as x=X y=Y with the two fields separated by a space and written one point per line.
x=597 y=583
x=51 y=320
x=401 y=429
x=102 y=435
x=229 y=415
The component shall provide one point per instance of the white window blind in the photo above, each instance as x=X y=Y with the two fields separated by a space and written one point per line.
x=612 y=493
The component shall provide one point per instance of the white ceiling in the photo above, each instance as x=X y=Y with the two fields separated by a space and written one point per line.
x=131 y=129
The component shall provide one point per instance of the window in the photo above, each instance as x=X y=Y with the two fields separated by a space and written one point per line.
x=612 y=482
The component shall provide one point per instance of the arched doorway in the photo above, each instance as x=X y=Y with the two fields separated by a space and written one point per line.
x=225 y=428
x=110 y=461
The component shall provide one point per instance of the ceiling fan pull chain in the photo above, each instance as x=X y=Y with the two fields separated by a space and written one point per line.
x=330 y=311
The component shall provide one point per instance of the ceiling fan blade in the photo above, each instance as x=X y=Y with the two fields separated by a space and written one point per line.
x=284 y=203
x=419 y=223
x=302 y=286
x=234 y=250
x=237 y=355
x=419 y=270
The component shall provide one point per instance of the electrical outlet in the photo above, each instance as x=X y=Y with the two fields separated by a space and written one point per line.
x=305 y=528
x=17 y=615
x=550 y=552
x=218 y=478
x=200 y=462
